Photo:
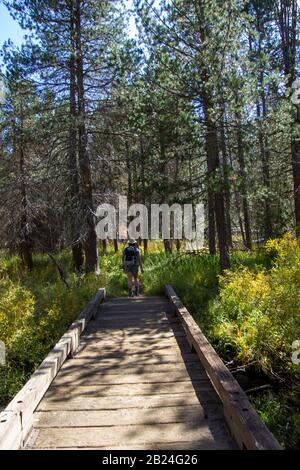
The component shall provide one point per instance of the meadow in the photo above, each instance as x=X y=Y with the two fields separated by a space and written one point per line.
x=251 y=315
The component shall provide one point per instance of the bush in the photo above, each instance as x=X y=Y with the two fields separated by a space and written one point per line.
x=35 y=311
x=258 y=313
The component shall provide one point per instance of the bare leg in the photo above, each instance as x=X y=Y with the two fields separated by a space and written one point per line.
x=136 y=283
x=130 y=280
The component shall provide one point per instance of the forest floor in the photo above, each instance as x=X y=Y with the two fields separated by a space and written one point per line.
x=251 y=315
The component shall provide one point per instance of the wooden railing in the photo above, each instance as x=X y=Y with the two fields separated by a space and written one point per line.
x=247 y=429
x=17 y=419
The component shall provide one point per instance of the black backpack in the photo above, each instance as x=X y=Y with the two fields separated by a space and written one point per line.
x=130 y=256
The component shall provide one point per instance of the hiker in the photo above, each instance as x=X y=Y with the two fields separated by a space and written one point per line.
x=131 y=262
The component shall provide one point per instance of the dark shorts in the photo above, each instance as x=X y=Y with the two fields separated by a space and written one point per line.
x=132 y=269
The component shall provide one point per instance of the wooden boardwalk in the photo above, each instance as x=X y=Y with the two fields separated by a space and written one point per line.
x=133 y=384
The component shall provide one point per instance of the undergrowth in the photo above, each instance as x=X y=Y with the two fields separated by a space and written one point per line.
x=251 y=314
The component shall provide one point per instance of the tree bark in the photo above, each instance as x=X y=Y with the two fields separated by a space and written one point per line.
x=77 y=253
x=287 y=13
x=261 y=111
x=225 y=175
x=25 y=236
x=263 y=143
x=116 y=246
x=243 y=186
x=168 y=246
x=143 y=181
x=90 y=241
x=215 y=190
x=25 y=245
x=211 y=220
x=216 y=186
x=129 y=175
x=296 y=172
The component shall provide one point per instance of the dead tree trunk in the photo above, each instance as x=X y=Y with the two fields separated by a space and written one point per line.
x=25 y=245
x=26 y=250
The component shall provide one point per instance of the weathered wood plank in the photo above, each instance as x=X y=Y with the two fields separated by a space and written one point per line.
x=120 y=344
x=52 y=401
x=117 y=339
x=138 y=326
x=182 y=445
x=83 y=377
x=118 y=335
x=129 y=368
x=133 y=350
x=135 y=434
x=10 y=430
x=129 y=330
x=117 y=358
x=122 y=417
x=202 y=387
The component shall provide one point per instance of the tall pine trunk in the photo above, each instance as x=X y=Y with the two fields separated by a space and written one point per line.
x=90 y=240
x=225 y=166
x=216 y=192
x=261 y=111
x=243 y=185
x=287 y=13
x=77 y=253
x=216 y=206
x=143 y=181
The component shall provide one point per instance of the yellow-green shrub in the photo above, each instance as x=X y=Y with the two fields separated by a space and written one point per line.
x=259 y=312
x=16 y=307
x=35 y=311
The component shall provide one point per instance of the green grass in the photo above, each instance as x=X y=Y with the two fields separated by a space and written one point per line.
x=281 y=413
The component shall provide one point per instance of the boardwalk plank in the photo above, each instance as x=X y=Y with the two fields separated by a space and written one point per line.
x=53 y=402
x=203 y=387
x=84 y=377
x=129 y=368
x=122 y=417
x=135 y=434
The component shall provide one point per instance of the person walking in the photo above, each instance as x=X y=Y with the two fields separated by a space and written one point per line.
x=132 y=261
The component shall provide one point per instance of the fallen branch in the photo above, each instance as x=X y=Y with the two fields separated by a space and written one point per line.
x=261 y=388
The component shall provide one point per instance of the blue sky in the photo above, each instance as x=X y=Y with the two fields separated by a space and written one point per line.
x=10 y=29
